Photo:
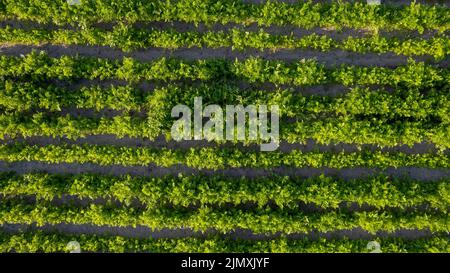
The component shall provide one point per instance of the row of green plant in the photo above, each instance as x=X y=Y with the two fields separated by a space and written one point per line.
x=128 y=39
x=182 y=190
x=39 y=66
x=216 y=158
x=330 y=130
x=376 y=117
x=266 y=221
x=24 y=96
x=306 y=15
x=44 y=124
x=380 y=132
x=399 y=103
x=39 y=241
x=363 y=116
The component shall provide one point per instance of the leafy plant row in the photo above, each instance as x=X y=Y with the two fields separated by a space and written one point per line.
x=360 y=116
x=267 y=221
x=39 y=241
x=325 y=192
x=332 y=130
x=24 y=96
x=399 y=103
x=43 y=124
x=381 y=132
x=306 y=15
x=216 y=158
x=39 y=66
x=128 y=39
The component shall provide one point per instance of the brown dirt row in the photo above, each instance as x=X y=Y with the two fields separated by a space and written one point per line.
x=330 y=59
x=423 y=174
x=149 y=86
x=335 y=34
x=160 y=142
x=141 y=232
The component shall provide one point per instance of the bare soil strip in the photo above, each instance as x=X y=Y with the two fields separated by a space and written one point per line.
x=330 y=59
x=141 y=232
x=92 y=113
x=160 y=142
x=149 y=86
x=335 y=34
x=424 y=174
x=107 y=113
